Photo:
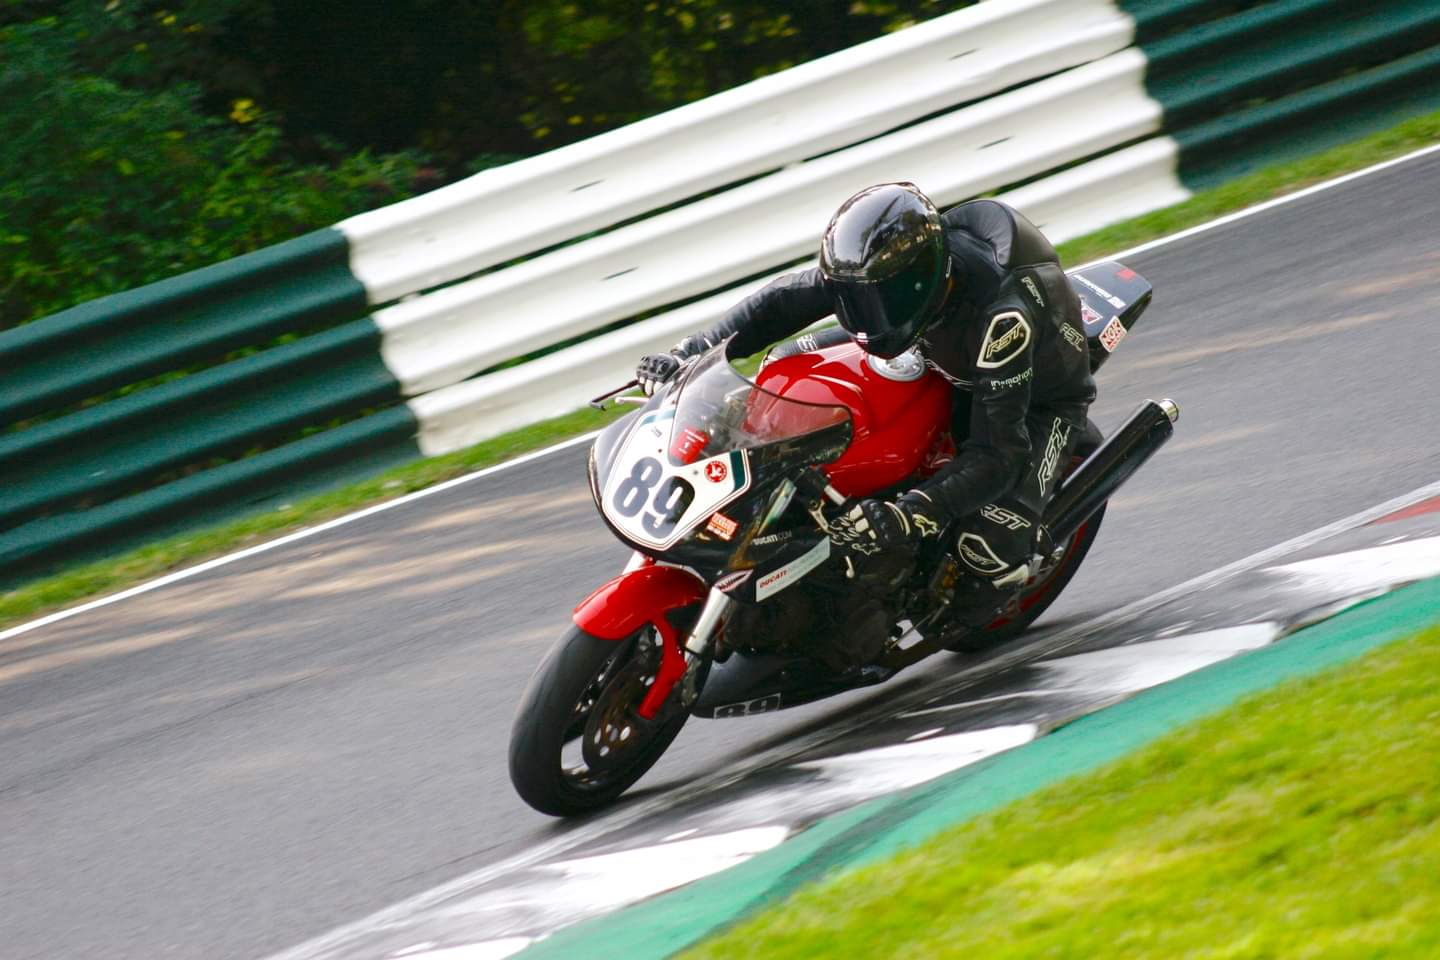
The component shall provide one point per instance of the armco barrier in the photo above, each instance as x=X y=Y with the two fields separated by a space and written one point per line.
x=121 y=339
x=111 y=447
x=1119 y=185
x=713 y=243
x=754 y=129
x=294 y=351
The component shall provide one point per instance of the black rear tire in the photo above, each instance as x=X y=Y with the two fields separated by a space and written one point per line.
x=580 y=672
x=1036 y=599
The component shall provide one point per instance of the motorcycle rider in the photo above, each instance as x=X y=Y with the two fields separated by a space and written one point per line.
x=979 y=293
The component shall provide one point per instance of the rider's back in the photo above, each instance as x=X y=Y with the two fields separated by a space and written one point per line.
x=1004 y=263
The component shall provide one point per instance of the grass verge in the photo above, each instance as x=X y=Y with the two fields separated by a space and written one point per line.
x=154 y=559
x=1302 y=822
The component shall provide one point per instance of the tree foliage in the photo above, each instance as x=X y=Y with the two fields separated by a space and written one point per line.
x=104 y=186
x=146 y=137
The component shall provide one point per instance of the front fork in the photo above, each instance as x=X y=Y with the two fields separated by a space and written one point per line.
x=682 y=663
x=698 y=645
x=646 y=591
x=643 y=594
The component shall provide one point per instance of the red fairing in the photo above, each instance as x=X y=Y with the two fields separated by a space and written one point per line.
x=635 y=598
x=900 y=429
x=630 y=601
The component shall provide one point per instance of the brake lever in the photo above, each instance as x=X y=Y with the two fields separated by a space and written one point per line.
x=815 y=484
x=599 y=402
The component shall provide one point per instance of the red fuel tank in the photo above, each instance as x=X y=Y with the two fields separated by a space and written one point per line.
x=901 y=427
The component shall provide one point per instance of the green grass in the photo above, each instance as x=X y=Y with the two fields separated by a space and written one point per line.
x=1301 y=823
x=154 y=559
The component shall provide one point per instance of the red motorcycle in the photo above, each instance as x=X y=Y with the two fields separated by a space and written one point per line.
x=733 y=603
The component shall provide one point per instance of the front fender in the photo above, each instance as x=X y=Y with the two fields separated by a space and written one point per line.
x=640 y=596
x=637 y=597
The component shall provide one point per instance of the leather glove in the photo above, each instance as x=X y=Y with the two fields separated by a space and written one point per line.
x=658 y=369
x=871 y=526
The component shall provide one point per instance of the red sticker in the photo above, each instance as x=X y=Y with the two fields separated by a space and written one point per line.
x=722 y=526
x=1125 y=273
x=1113 y=333
x=715 y=471
x=688 y=445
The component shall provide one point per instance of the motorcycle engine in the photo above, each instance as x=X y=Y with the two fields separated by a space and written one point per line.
x=840 y=619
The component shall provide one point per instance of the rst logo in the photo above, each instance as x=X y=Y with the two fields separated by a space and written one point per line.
x=1005 y=339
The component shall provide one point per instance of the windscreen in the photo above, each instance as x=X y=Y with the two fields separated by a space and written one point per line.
x=719 y=411
x=688 y=453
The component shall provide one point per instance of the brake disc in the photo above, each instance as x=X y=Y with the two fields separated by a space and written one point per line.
x=613 y=731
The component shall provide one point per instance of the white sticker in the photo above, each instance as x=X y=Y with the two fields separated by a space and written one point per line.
x=654 y=502
x=777 y=580
x=1113 y=333
x=1109 y=297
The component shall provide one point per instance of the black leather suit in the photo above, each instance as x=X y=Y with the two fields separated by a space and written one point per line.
x=1010 y=339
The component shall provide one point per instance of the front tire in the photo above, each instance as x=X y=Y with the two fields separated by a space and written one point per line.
x=577 y=743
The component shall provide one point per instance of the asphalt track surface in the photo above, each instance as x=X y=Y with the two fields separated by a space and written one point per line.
x=240 y=761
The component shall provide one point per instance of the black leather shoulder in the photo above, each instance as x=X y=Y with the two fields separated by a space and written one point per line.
x=1016 y=241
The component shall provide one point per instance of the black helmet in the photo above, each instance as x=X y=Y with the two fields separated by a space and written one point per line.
x=884 y=255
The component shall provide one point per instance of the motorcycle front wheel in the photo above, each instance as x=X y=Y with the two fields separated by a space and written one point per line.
x=577 y=742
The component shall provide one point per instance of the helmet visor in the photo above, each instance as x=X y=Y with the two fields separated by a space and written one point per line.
x=887 y=316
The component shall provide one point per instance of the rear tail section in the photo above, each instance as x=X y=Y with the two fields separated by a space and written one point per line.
x=1112 y=297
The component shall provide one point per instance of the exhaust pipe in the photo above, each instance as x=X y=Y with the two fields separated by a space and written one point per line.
x=1102 y=473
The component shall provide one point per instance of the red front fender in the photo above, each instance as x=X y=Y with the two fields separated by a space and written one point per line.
x=633 y=599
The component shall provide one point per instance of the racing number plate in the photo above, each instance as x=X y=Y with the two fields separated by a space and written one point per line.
x=655 y=502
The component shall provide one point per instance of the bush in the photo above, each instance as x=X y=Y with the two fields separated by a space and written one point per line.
x=104 y=187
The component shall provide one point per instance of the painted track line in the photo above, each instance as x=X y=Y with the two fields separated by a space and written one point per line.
x=1065 y=639
x=301 y=534
x=289 y=538
x=398 y=913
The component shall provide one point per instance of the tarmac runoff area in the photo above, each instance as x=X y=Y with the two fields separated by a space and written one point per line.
x=687 y=865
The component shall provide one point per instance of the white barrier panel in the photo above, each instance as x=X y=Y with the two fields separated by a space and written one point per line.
x=819 y=106
x=453 y=333
x=1115 y=187
x=456 y=416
